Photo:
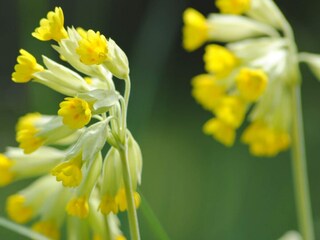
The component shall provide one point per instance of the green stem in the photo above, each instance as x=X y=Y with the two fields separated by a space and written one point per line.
x=24 y=231
x=299 y=168
x=132 y=214
x=299 y=162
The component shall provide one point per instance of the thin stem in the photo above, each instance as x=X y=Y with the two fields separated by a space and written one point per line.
x=299 y=168
x=299 y=161
x=132 y=214
x=24 y=231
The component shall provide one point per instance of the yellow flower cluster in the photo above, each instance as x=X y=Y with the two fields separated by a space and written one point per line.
x=249 y=74
x=74 y=178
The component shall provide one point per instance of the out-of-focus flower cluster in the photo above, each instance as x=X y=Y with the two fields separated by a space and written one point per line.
x=251 y=74
x=76 y=184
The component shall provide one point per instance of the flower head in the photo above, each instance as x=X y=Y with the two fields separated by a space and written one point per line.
x=264 y=140
x=108 y=204
x=28 y=139
x=18 y=210
x=219 y=60
x=231 y=110
x=233 y=6
x=93 y=48
x=6 y=175
x=251 y=83
x=75 y=112
x=121 y=199
x=51 y=27
x=207 y=91
x=25 y=68
x=220 y=130
x=78 y=207
x=69 y=172
x=195 y=30
x=47 y=228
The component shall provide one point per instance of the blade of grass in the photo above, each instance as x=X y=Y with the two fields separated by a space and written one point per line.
x=24 y=231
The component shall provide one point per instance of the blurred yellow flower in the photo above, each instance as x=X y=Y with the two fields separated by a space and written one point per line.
x=220 y=130
x=207 y=91
x=219 y=60
x=251 y=83
x=18 y=210
x=195 y=29
x=6 y=176
x=233 y=6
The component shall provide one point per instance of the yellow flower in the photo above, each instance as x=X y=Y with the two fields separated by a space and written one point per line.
x=231 y=110
x=28 y=139
x=251 y=83
x=195 y=29
x=27 y=121
x=221 y=131
x=219 y=60
x=120 y=237
x=108 y=204
x=25 y=68
x=69 y=172
x=51 y=27
x=233 y=6
x=78 y=207
x=264 y=140
x=75 y=112
x=121 y=199
x=207 y=91
x=93 y=48
x=47 y=228
x=6 y=176
x=17 y=209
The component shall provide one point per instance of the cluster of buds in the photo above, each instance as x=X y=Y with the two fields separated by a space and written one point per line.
x=253 y=72
x=76 y=183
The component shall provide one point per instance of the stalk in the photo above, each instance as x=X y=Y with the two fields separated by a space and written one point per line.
x=298 y=155
x=132 y=214
x=299 y=169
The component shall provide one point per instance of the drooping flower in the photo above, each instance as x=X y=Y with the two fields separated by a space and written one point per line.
x=47 y=228
x=25 y=68
x=78 y=207
x=220 y=130
x=207 y=91
x=251 y=83
x=69 y=172
x=233 y=6
x=219 y=60
x=75 y=112
x=51 y=27
x=18 y=210
x=195 y=30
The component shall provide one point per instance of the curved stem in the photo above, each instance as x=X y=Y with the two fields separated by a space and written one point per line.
x=132 y=214
x=24 y=231
x=299 y=162
x=299 y=169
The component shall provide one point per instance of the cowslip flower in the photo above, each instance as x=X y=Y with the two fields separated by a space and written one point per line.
x=93 y=48
x=247 y=76
x=66 y=148
x=25 y=68
x=233 y=6
x=51 y=27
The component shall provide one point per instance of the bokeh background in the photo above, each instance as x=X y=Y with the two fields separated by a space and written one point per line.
x=198 y=188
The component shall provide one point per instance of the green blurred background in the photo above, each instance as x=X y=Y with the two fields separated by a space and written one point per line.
x=198 y=188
